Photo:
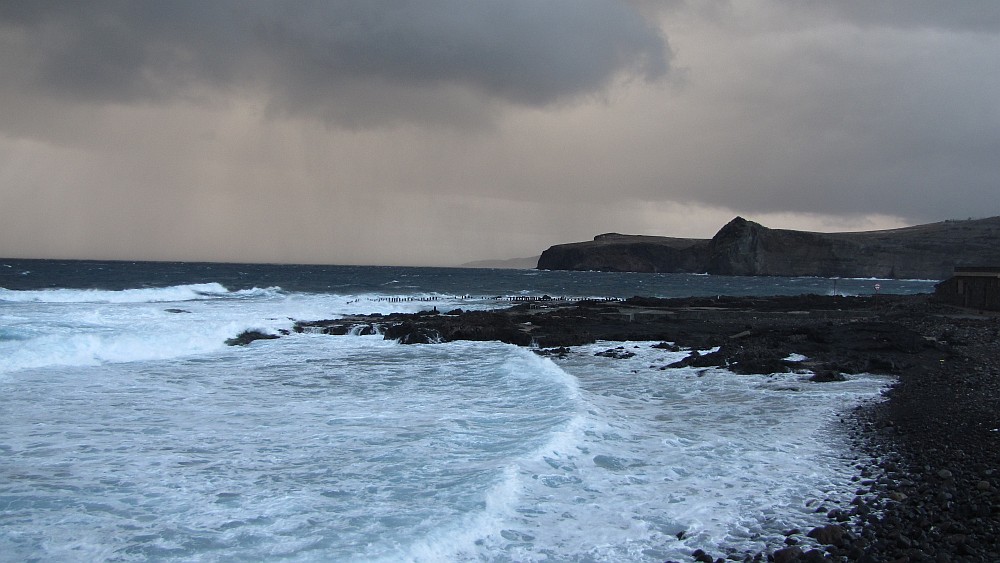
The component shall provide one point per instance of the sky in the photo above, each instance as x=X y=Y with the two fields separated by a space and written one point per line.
x=437 y=132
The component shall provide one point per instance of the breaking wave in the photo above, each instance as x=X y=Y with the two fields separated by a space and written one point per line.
x=188 y=292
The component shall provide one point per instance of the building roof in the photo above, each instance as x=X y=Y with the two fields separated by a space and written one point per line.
x=977 y=271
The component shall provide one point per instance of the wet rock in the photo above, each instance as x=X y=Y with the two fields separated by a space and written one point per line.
x=787 y=555
x=619 y=353
x=838 y=515
x=248 y=336
x=827 y=376
x=831 y=534
x=410 y=333
x=560 y=352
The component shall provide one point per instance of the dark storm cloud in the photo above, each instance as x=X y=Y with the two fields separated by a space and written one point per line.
x=205 y=129
x=358 y=62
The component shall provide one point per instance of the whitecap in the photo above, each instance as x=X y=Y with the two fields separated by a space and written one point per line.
x=187 y=292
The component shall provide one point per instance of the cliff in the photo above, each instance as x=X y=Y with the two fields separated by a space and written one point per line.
x=745 y=248
x=628 y=253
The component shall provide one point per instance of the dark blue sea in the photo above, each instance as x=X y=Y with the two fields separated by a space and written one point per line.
x=130 y=431
x=22 y=275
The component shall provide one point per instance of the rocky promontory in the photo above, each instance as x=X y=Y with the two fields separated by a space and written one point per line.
x=746 y=248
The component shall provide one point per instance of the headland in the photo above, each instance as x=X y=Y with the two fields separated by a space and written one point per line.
x=746 y=248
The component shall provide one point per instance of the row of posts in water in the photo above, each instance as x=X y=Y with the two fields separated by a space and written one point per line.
x=511 y=298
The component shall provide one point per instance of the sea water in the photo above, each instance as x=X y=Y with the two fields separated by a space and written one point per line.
x=130 y=431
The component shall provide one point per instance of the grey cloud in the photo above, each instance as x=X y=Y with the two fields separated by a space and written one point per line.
x=355 y=61
x=135 y=128
x=972 y=15
x=807 y=113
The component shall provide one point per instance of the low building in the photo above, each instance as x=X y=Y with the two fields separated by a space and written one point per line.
x=972 y=287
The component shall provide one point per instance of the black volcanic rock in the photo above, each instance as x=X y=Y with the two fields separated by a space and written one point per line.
x=427 y=327
x=745 y=248
x=248 y=336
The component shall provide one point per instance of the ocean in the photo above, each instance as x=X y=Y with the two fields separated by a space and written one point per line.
x=130 y=431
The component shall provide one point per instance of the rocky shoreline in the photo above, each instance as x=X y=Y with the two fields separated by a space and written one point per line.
x=928 y=458
x=937 y=439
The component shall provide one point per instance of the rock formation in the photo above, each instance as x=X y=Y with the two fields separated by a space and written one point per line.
x=745 y=248
x=628 y=253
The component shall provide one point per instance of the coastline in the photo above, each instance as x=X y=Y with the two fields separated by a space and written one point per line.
x=938 y=441
x=933 y=491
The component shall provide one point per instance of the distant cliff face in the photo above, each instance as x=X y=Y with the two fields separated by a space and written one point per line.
x=745 y=248
x=627 y=253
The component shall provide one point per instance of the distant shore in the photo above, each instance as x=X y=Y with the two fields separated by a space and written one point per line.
x=746 y=248
x=933 y=493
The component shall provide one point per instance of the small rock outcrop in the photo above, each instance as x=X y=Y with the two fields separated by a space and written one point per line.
x=248 y=336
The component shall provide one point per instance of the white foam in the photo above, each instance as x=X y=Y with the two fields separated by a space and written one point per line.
x=66 y=327
x=91 y=328
x=454 y=451
x=202 y=460
x=115 y=347
x=725 y=459
x=461 y=540
x=177 y=293
x=484 y=533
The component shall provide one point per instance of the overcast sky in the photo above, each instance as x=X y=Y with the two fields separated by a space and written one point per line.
x=442 y=131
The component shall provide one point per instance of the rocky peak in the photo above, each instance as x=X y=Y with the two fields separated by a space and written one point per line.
x=738 y=228
x=736 y=248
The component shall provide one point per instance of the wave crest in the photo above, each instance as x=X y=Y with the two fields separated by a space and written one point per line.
x=186 y=292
